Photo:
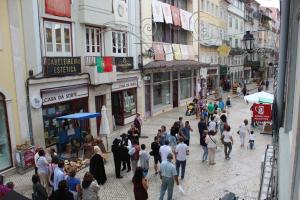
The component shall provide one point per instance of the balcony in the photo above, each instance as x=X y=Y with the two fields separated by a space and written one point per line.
x=99 y=77
x=97 y=12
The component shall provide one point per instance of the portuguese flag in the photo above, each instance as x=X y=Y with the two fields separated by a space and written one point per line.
x=104 y=64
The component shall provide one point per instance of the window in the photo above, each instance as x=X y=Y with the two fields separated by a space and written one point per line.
x=230 y=41
x=185 y=84
x=202 y=5
x=241 y=26
x=212 y=9
x=93 y=40
x=236 y=24
x=161 y=89
x=230 y=22
x=57 y=39
x=217 y=11
x=236 y=43
x=208 y=6
x=119 y=42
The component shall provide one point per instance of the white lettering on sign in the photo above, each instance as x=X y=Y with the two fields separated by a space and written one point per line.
x=66 y=94
x=124 y=85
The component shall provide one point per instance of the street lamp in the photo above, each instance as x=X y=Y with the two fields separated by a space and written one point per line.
x=248 y=40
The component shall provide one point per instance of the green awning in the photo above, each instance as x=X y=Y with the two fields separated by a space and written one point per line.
x=265 y=100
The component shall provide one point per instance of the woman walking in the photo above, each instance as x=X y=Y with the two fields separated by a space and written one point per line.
x=243 y=130
x=140 y=185
x=211 y=141
x=97 y=166
x=90 y=187
x=227 y=141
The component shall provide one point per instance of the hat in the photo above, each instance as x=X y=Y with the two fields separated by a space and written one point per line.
x=116 y=141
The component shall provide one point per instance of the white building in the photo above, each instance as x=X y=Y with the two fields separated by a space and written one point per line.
x=80 y=57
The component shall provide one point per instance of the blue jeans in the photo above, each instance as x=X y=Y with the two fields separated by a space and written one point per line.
x=182 y=164
x=167 y=183
x=205 y=153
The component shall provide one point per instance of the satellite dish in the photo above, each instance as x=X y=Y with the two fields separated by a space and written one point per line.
x=36 y=102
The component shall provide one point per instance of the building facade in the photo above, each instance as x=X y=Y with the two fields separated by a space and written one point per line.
x=81 y=61
x=14 y=128
x=236 y=27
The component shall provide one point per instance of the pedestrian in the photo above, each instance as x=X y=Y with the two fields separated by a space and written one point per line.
x=267 y=84
x=140 y=184
x=74 y=184
x=97 y=168
x=181 y=153
x=180 y=122
x=133 y=131
x=228 y=102
x=39 y=192
x=165 y=150
x=52 y=167
x=164 y=135
x=138 y=123
x=90 y=187
x=155 y=153
x=205 y=115
x=212 y=125
x=204 y=145
x=227 y=141
x=62 y=192
x=221 y=104
x=125 y=157
x=116 y=149
x=172 y=138
x=168 y=174
x=223 y=122
x=202 y=126
x=251 y=140
x=186 y=132
x=201 y=104
x=59 y=174
x=210 y=109
x=144 y=159
x=134 y=153
x=36 y=156
x=244 y=90
x=211 y=142
x=243 y=131
x=43 y=172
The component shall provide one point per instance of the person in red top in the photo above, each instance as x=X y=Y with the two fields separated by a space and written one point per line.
x=140 y=185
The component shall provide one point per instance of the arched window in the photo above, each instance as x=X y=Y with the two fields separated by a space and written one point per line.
x=5 y=152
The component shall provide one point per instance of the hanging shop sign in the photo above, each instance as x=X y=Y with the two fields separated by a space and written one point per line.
x=262 y=112
x=124 y=84
x=158 y=51
x=60 y=66
x=57 y=95
x=61 y=8
x=124 y=64
x=224 y=50
x=176 y=51
x=168 y=52
x=175 y=15
x=185 y=18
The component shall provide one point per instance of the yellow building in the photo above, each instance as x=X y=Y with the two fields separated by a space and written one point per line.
x=213 y=29
x=13 y=114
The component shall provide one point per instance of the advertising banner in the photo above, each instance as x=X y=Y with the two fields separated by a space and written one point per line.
x=262 y=112
x=157 y=11
x=61 y=8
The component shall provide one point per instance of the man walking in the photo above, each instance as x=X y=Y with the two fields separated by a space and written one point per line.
x=186 y=132
x=181 y=152
x=138 y=123
x=165 y=150
x=210 y=109
x=168 y=174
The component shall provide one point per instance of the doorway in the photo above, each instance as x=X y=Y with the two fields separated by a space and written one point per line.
x=147 y=101
x=175 y=93
x=99 y=102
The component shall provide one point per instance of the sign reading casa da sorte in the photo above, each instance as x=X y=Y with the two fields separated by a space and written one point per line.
x=124 y=64
x=60 y=66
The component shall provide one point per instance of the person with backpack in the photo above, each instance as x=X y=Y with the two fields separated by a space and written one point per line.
x=134 y=153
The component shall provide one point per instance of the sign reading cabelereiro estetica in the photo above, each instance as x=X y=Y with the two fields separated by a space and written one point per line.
x=59 y=66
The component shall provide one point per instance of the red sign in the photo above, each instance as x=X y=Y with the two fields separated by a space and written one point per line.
x=60 y=8
x=175 y=15
x=262 y=112
x=28 y=157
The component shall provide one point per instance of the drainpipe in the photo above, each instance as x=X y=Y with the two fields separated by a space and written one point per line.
x=284 y=10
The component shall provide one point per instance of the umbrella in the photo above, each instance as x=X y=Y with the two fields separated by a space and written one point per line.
x=260 y=97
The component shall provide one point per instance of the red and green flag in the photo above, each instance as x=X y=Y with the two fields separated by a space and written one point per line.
x=104 y=64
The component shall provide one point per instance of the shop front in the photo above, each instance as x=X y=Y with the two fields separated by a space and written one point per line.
x=212 y=80
x=224 y=78
x=62 y=101
x=124 y=100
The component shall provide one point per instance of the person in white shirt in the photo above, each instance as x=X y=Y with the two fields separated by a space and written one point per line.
x=243 y=131
x=181 y=152
x=212 y=125
x=42 y=169
x=211 y=141
x=251 y=140
x=227 y=141
x=165 y=150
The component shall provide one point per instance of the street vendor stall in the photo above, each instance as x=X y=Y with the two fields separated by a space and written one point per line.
x=262 y=109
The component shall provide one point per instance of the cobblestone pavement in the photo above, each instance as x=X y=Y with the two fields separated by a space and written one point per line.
x=240 y=175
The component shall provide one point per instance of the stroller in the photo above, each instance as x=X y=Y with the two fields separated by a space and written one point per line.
x=190 y=109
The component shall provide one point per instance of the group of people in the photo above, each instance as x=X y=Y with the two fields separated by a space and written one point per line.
x=52 y=181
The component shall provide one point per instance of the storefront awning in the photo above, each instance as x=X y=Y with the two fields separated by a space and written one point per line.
x=79 y=116
x=173 y=65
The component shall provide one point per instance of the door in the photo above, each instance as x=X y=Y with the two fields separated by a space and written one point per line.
x=147 y=101
x=99 y=102
x=118 y=107
x=175 y=94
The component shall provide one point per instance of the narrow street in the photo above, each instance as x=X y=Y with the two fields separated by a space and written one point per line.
x=240 y=175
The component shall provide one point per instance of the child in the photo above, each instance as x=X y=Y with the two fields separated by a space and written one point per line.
x=144 y=159
x=228 y=102
x=251 y=140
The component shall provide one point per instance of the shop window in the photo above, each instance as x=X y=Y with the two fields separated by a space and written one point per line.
x=236 y=24
x=119 y=43
x=159 y=77
x=161 y=89
x=93 y=41
x=57 y=39
x=5 y=154
x=185 y=84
